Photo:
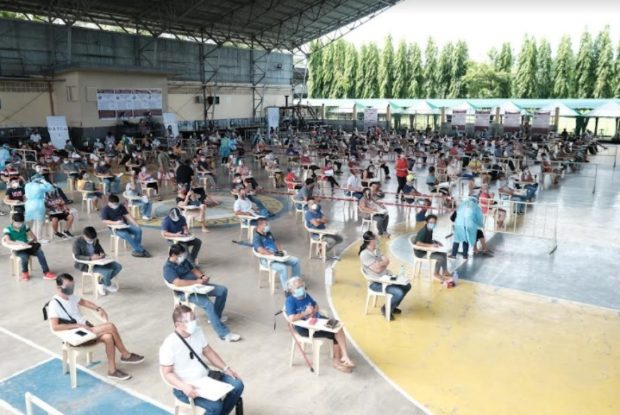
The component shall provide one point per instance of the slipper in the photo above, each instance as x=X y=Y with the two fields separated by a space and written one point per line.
x=342 y=368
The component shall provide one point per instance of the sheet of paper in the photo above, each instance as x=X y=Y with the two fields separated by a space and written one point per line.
x=211 y=389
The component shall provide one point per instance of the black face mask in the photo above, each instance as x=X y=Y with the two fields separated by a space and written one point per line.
x=68 y=290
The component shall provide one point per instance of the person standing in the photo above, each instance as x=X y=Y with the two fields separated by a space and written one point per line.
x=402 y=169
x=468 y=220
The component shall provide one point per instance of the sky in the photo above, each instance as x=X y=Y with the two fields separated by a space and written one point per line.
x=484 y=24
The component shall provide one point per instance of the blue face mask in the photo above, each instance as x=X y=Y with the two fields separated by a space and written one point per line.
x=430 y=226
x=299 y=292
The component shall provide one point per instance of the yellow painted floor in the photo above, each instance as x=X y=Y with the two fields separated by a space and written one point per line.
x=478 y=349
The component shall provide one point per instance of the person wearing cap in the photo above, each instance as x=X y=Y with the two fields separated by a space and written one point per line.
x=175 y=225
x=65 y=314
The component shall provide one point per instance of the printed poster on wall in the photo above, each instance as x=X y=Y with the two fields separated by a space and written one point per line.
x=483 y=118
x=371 y=117
x=58 y=130
x=512 y=121
x=273 y=117
x=171 y=119
x=459 y=119
x=128 y=103
x=541 y=121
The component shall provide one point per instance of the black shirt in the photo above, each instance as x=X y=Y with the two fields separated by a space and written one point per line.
x=184 y=174
x=15 y=194
x=425 y=236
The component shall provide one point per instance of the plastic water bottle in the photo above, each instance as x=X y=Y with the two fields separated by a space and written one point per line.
x=329 y=276
x=401 y=274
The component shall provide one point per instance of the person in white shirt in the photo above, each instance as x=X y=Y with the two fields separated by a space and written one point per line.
x=244 y=206
x=354 y=185
x=35 y=137
x=64 y=314
x=181 y=359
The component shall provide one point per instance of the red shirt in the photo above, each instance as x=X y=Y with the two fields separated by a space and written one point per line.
x=402 y=168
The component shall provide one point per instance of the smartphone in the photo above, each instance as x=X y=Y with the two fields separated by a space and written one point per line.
x=81 y=333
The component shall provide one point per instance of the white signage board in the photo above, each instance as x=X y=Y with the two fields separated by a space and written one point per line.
x=459 y=118
x=541 y=121
x=171 y=119
x=58 y=130
x=371 y=117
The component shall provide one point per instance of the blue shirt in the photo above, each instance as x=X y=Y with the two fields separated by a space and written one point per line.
x=107 y=213
x=173 y=271
x=295 y=305
x=168 y=225
x=266 y=241
x=311 y=215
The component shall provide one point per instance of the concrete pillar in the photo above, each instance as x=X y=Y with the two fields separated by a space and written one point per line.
x=556 y=121
x=497 y=116
x=322 y=112
x=443 y=115
x=354 y=115
x=388 y=118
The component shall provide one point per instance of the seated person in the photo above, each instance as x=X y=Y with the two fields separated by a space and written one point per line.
x=265 y=243
x=115 y=214
x=181 y=368
x=59 y=211
x=423 y=206
x=64 y=314
x=292 y=181
x=354 y=185
x=146 y=179
x=111 y=182
x=88 y=248
x=239 y=183
x=243 y=206
x=376 y=266
x=71 y=168
x=424 y=239
x=304 y=192
x=409 y=190
x=89 y=189
x=16 y=235
x=10 y=172
x=328 y=175
x=370 y=206
x=173 y=225
x=315 y=219
x=301 y=306
x=15 y=193
x=137 y=198
x=181 y=272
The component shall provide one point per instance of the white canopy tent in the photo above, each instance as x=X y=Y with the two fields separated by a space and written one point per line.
x=564 y=110
x=608 y=110
x=510 y=107
x=421 y=107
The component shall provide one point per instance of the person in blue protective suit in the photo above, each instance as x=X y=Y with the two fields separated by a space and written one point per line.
x=5 y=155
x=35 y=204
x=468 y=220
x=225 y=149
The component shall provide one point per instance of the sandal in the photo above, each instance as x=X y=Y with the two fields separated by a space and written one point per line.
x=341 y=367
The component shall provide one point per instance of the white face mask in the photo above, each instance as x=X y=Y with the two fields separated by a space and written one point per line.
x=181 y=259
x=191 y=326
x=18 y=225
x=14 y=185
x=114 y=205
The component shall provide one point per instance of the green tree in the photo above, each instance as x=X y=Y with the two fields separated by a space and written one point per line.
x=350 y=71
x=564 y=70
x=386 y=70
x=617 y=72
x=327 y=70
x=401 y=71
x=315 y=73
x=584 y=81
x=482 y=80
x=503 y=63
x=526 y=82
x=544 y=70
x=604 y=84
x=431 y=78
x=460 y=59
x=360 y=76
x=416 y=72
x=340 y=83
x=444 y=70
x=371 y=76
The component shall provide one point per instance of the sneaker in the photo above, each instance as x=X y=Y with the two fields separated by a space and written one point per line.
x=111 y=289
x=138 y=254
x=383 y=313
x=119 y=375
x=451 y=257
x=397 y=311
x=231 y=337
x=25 y=276
x=147 y=218
x=133 y=359
x=69 y=234
x=60 y=235
x=44 y=241
x=49 y=275
x=101 y=290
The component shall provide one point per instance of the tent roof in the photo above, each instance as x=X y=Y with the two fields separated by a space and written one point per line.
x=565 y=111
x=608 y=110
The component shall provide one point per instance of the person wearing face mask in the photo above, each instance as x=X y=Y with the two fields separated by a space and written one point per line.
x=424 y=239
x=35 y=191
x=244 y=206
x=64 y=314
x=301 y=306
x=468 y=222
x=147 y=180
x=111 y=182
x=203 y=166
x=181 y=272
x=137 y=198
x=17 y=236
x=369 y=205
x=376 y=266
x=305 y=192
x=182 y=367
x=402 y=170
x=115 y=214
x=175 y=225
x=88 y=248
x=15 y=196
x=265 y=243
x=315 y=219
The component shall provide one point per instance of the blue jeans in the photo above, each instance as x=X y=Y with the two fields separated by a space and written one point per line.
x=261 y=207
x=112 y=186
x=398 y=292
x=357 y=195
x=281 y=269
x=145 y=207
x=133 y=235
x=222 y=407
x=213 y=310
x=24 y=254
x=108 y=271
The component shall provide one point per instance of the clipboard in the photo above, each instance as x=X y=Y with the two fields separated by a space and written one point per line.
x=76 y=337
x=211 y=389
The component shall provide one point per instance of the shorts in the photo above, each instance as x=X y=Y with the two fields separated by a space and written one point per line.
x=59 y=216
x=479 y=235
